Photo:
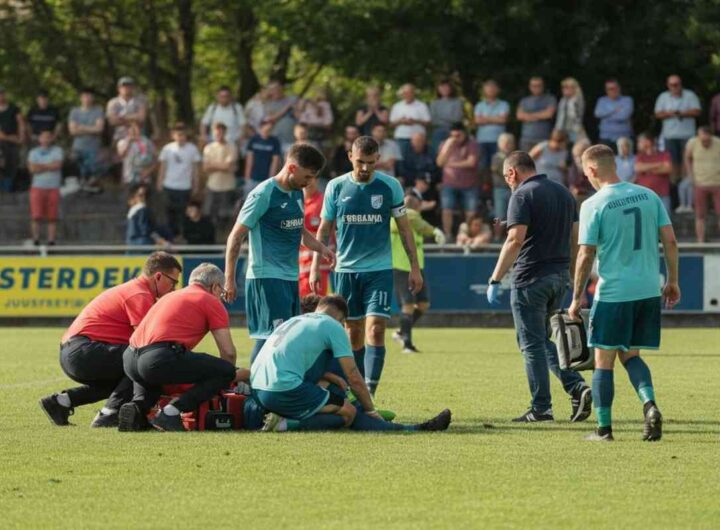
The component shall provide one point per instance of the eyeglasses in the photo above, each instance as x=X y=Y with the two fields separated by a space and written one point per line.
x=174 y=281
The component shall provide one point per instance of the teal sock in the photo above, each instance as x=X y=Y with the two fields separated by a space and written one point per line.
x=640 y=378
x=360 y=360
x=603 y=392
x=374 y=363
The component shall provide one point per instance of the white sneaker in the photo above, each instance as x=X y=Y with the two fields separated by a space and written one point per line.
x=397 y=337
x=272 y=422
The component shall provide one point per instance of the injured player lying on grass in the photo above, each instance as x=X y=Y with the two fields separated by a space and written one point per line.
x=302 y=375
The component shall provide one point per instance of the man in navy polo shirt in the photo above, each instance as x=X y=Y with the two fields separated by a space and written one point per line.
x=263 y=157
x=542 y=224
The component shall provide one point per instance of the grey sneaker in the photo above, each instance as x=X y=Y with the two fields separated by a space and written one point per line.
x=596 y=437
x=105 y=420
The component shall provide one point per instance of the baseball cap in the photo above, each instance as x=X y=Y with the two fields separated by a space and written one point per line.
x=125 y=80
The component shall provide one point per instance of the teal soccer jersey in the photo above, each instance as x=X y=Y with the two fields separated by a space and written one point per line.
x=362 y=212
x=623 y=221
x=275 y=219
x=293 y=349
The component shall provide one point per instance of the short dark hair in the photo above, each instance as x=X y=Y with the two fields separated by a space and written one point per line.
x=366 y=145
x=136 y=188
x=179 y=127
x=224 y=88
x=705 y=129
x=647 y=135
x=309 y=303
x=195 y=204
x=307 y=156
x=458 y=126
x=161 y=261
x=219 y=125
x=521 y=161
x=446 y=81
x=87 y=90
x=43 y=93
x=336 y=301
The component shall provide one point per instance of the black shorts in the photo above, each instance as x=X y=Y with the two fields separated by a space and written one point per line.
x=402 y=292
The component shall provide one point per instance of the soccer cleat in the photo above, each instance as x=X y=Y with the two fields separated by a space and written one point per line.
x=597 y=437
x=57 y=413
x=398 y=337
x=272 y=422
x=581 y=404
x=387 y=415
x=533 y=416
x=131 y=419
x=439 y=423
x=652 y=430
x=105 y=420
x=165 y=423
x=410 y=348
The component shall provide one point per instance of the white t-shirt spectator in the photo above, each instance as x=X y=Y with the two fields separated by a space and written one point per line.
x=179 y=161
x=417 y=110
x=389 y=150
x=231 y=115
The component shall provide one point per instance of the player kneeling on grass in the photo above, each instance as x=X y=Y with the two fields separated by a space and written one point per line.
x=299 y=355
x=160 y=352
x=622 y=223
x=91 y=351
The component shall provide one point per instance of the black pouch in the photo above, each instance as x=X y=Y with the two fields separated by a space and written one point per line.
x=217 y=420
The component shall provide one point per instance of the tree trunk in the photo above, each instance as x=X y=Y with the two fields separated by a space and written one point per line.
x=279 y=69
x=246 y=23
x=182 y=56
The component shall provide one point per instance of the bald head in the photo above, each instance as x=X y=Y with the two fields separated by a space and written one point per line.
x=598 y=163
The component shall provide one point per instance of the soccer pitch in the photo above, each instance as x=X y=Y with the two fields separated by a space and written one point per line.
x=485 y=472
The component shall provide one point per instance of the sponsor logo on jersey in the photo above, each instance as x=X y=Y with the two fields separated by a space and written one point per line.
x=362 y=219
x=376 y=201
x=292 y=224
x=345 y=199
x=283 y=205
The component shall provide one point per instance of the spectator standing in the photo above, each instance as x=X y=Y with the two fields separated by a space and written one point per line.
x=551 y=157
x=677 y=107
x=86 y=124
x=263 y=157
x=501 y=190
x=625 y=160
x=12 y=133
x=475 y=233
x=615 y=114
x=491 y=115
x=137 y=153
x=390 y=152
x=45 y=165
x=301 y=135
x=198 y=229
x=178 y=176
x=408 y=116
x=219 y=163
x=536 y=112
x=43 y=117
x=445 y=109
x=125 y=108
x=702 y=158
x=141 y=228
x=578 y=182
x=458 y=158
x=715 y=114
x=280 y=111
x=340 y=162
x=571 y=110
x=372 y=113
x=227 y=111
x=255 y=111
x=419 y=162
x=653 y=168
x=426 y=191
x=317 y=115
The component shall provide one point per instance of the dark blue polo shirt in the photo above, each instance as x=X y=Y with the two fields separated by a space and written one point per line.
x=549 y=210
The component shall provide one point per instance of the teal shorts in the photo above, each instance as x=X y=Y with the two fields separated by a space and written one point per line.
x=268 y=303
x=366 y=293
x=625 y=326
x=296 y=404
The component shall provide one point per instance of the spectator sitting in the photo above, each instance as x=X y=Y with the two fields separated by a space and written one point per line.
x=653 y=168
x=279 y=111
x=141 y=228
x=301 y=134
x=551 y=157
x=85 y=124
x=702 y=157
x=571 y=110
x=578 y=182
x=372 y=113
x=126 y=108
x=317 y=115
x=625 y=160
x=43 y=117
x=445 y=109
x=12 y=135
x=45 y=164
x=340 y=162
x=137 y=153
x=474 y=233
x=219 y=162
x=458 y=158
x=419 y=162
x=408 y=116
x=491 y=115
x=390 y=152
x=178 y=178
x=263 y=157
x=615 y=114
x=535 y=112
x=197 y=228
x=226 y=111
x=501 y=190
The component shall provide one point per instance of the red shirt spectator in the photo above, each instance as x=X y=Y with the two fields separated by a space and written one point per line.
x=172 y=319
x=113 y=315
x=652 y=167
x=459 y=157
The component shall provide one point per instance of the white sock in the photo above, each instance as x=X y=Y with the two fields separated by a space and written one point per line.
x=64 y=400
x=107 y=412
x=171 y=410
x=282 y=425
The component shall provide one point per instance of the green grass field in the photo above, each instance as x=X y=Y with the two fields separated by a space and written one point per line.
x=485 y=472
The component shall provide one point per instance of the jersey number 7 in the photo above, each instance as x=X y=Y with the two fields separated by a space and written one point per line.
x=635 y=212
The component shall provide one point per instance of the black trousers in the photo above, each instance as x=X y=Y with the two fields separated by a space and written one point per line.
x=164 y=363
x=98 y=367
x=175 y=203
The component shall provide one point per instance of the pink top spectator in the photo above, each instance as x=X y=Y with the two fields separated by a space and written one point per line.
x=461 y=178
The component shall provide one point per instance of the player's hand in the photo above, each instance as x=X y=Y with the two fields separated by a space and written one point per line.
x=671 y=295
x=493 y=293
x=230 y=291
x=314 y=279
x=328 y=256
x=415 y=281
x=574 y=310
x=375 y=414
x=439 y=236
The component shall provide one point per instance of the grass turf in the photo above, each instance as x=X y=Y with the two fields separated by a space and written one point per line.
x=485 y=472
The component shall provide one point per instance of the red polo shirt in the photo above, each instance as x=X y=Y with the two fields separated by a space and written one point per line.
x=112 y=315
x=183 y=316
x=660 y=184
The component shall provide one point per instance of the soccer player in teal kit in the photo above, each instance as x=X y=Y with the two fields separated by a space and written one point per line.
x=273 y=216
x=359 y=205
x=622 y=222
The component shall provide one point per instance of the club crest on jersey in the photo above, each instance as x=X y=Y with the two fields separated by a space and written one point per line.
x=376 y=201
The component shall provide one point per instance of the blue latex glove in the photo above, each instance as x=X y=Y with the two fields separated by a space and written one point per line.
x=493 y=294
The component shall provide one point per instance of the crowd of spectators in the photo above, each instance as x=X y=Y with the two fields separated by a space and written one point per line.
x=449 y=152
